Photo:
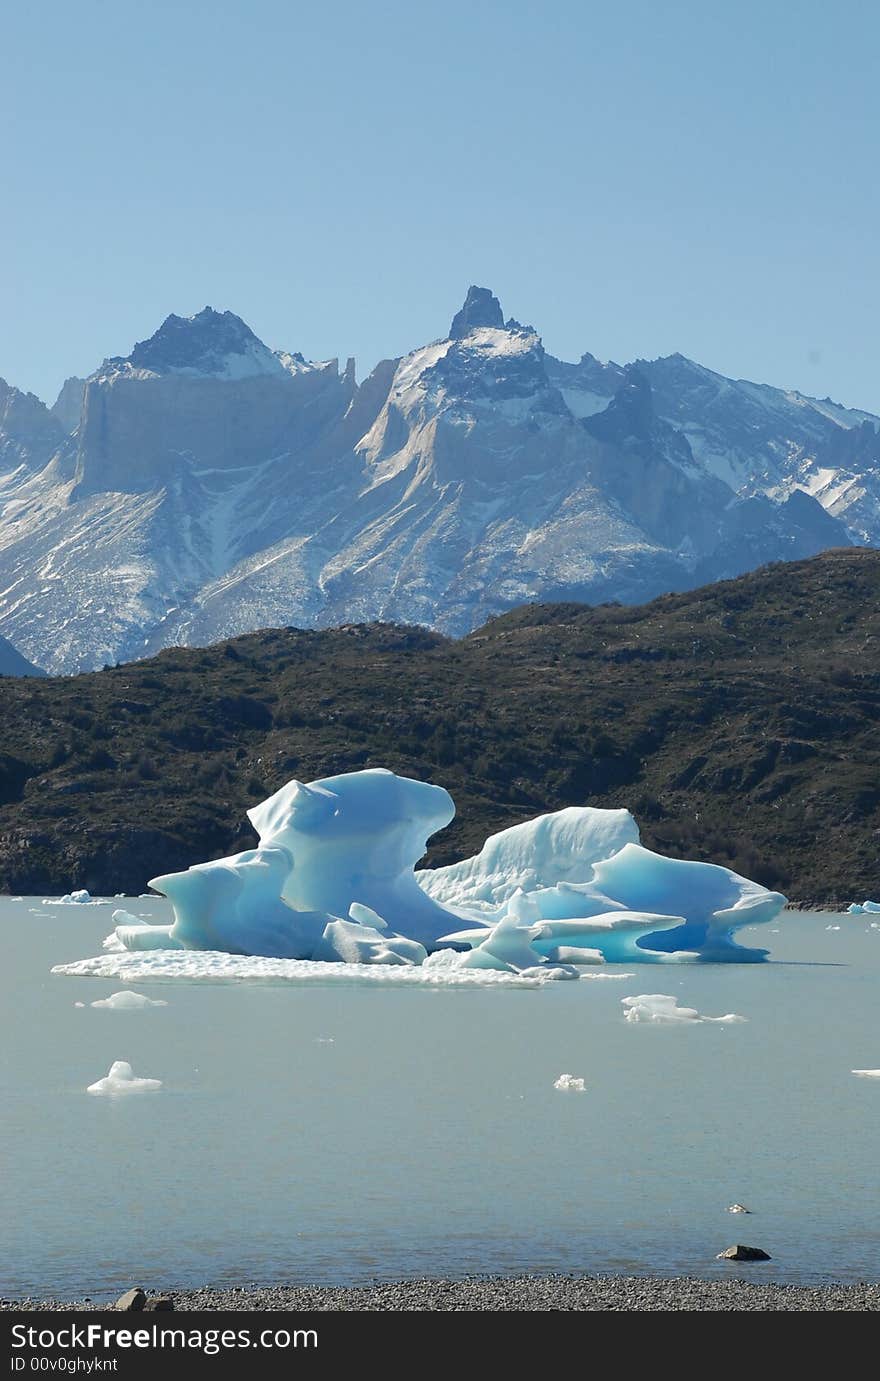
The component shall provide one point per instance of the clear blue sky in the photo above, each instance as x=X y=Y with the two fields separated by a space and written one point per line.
x=633 y=179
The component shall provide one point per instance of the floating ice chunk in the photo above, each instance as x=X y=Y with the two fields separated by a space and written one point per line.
x=121 y=1079
x=348 y=942
x=127 y=1001
x=78 y=898
x=859 y=908
x=832 y=927
x=559 y=847
x=664 y=1008
x=738 y=1208
x=867 y=1073
x=570 y=1083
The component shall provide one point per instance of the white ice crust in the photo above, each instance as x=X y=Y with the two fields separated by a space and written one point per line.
x=333 y=882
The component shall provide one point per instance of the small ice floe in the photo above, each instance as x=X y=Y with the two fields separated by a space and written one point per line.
x=570 y=1083
x=325 y=1040
x=122 y=1079
x=738 y=1208
x=79 y=1004
x=832 y=927
x=867 y=1073
x=128 y=1001
x=607 y=975
x=664 y=1008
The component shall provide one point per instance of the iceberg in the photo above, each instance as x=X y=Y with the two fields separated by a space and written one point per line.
x=122 y=1079
x=570 y=1083
x=860 y=908
x=333 y=880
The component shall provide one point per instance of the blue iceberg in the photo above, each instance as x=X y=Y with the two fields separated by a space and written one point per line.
x=334 y=879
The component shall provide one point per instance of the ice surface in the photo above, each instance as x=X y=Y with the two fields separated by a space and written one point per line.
x=570 y=1083
x=333 y=880
x=440 y=970
x=664 y=1008
x=121 y=1079
x=127 y=1001
x=560 y=847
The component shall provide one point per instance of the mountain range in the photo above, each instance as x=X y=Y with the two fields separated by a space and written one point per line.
x=205 y=485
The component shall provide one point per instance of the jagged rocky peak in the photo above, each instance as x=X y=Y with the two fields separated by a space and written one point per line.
x=481 y=308
x=213 y=344
x=28 y=431
x=630 y=412
x=68 y=405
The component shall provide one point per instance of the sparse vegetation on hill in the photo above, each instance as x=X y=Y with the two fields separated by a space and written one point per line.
x=738 y=722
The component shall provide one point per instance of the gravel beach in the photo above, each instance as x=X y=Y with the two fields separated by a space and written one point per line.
x=518 y=1294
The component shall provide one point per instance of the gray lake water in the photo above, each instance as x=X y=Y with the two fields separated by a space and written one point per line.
x=345 y=1133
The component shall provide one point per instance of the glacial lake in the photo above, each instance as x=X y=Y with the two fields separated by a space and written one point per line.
x=343 y=1133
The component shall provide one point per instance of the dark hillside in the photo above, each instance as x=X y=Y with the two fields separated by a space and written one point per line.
x=738 y=722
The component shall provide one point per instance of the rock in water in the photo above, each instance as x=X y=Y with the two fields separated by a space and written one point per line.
x=741 y=1253
x=132 y=1300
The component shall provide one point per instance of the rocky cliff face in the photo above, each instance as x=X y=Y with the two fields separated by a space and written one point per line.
x=29 y=434
x=211 y=486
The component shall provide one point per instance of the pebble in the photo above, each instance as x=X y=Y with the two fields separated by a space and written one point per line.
x=520 y=1294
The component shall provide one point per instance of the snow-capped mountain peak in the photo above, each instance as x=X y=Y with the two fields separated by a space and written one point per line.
x=211 y=344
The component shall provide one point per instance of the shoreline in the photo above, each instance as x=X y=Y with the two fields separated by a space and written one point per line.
x=523 y=1293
